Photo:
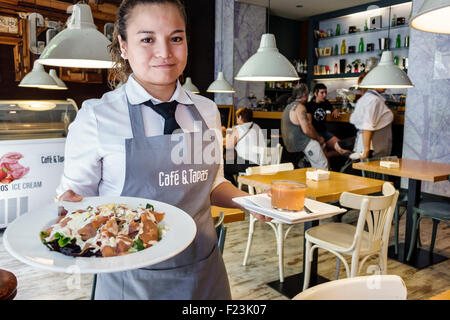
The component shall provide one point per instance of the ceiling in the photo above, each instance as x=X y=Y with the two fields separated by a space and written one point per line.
x=288 y=9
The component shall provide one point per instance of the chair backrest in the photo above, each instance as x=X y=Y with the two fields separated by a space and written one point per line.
x=376 y=212
x=269 y=155
x=273 y=168
x=375 y=287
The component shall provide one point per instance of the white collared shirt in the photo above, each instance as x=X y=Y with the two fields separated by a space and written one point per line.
x=371 y=113
x=95 y=147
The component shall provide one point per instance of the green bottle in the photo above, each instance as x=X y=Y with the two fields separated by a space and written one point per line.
x=398 y=41
x=361 y=45
x=365 y=26
x=338 y=29
x=336 y=50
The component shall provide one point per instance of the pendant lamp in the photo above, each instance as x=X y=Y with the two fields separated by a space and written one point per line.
x=38 y=78
x=221 y=85
x=386 y=75
x=60 y=85
x=80 y=45
x=433 y=16
x=267 y=64
x=188 y=85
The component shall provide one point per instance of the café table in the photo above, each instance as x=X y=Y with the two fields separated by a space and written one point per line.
x=325 y=191
x=416 y=171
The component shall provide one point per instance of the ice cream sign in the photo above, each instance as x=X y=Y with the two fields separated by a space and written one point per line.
x=30 y=171
x=10 y=168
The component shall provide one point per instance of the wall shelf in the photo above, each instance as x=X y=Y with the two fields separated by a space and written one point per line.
x=370 y=52
x=364 y=32
x=338 y=76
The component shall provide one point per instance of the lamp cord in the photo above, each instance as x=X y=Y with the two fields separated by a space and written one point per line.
x=389 y=25
x=268 y=19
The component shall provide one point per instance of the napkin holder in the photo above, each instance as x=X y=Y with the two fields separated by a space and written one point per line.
x=317 y=175
x=389 y=164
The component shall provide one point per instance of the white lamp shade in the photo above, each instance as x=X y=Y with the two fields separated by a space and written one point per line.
x=60 y=85
x=433 y=16
x=386 y=75
x=220 y=85
x=267 y=64
x=38 y=78
x=188 y=85
x=80 y=45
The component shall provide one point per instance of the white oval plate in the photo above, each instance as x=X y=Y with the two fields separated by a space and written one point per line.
x=22 y=241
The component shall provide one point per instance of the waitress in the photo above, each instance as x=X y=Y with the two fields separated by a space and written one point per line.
x=122 y=143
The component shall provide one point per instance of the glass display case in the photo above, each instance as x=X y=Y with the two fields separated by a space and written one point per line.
x=32 y=141
x=35 y=119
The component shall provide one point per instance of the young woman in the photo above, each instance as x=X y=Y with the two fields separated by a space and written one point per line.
x=121 y=144
x=245 y=138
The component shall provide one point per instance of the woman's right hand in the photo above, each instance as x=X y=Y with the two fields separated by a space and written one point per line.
x=71 y=196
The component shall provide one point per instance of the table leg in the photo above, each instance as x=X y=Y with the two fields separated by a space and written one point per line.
x=414 y=189
x=420 y=258
x=293 y=285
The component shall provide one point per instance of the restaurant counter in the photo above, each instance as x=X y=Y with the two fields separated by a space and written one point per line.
x=399 y=118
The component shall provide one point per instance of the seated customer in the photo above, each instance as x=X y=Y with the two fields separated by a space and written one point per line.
x=244 y=138
x=317 y=111
x=373 y=119
x=298 y=132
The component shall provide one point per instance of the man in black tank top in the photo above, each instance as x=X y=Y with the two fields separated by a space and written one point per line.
x=298 y=132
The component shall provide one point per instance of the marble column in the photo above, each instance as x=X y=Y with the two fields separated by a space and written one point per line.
x=239 y=27
x=427 y=117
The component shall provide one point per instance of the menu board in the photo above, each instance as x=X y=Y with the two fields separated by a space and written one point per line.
x=30 y=171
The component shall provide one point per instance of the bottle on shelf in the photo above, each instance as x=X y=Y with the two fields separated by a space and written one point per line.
x=361 y=45
x=343 y=47
x=394 y=20
x=338 y=29
x=305 y=67
x=398 y=41
x=336 y=50
x=365 y=26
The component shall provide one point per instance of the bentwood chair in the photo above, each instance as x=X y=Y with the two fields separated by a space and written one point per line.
x=375 y=287
x=276 y=225
x=375 y=213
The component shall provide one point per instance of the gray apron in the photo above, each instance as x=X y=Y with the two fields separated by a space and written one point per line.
x=198 y=272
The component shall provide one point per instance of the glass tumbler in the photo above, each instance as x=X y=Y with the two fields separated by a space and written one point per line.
x=288 y=195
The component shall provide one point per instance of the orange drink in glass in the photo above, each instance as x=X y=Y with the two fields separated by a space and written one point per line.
x=288 y=195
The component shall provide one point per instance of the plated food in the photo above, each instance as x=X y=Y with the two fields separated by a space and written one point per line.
x=105 y=230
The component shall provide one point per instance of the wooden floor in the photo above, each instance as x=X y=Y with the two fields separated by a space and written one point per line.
x=248 y=282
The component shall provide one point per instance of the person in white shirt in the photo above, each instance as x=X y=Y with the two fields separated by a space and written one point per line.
x=129 y=140
x=248 y=140
x=373 y=119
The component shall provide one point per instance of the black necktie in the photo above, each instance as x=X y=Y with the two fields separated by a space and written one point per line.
x=167 y=111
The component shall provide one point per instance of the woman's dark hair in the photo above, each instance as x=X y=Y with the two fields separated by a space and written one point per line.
x=246 y=113
x=318 y=87
x=121 y=69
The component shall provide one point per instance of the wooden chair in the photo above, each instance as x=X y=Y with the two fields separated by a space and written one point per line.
x=437 y=211
x=375 y=287
x=8 y=285
x=376 y=213
x=276 y=225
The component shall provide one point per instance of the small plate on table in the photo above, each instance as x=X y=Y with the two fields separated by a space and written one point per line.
x=261 y=203
x=22 y=241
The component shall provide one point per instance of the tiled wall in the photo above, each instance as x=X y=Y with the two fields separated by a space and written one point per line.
x=427 y=119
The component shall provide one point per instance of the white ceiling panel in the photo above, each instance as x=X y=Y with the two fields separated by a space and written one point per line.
x=288 y=8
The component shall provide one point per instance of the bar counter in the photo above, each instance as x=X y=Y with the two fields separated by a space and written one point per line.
x=399 y=119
